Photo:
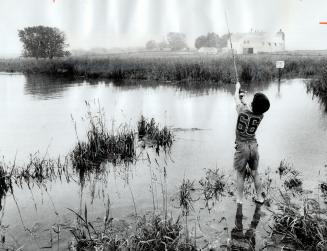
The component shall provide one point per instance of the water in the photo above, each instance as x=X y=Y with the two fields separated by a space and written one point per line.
x=36 y=115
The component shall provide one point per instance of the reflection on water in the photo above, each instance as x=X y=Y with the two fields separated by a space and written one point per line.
x=241 y=240
x=47 y=88
x=36 y=115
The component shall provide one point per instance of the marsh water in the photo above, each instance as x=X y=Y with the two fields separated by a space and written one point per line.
x=36 y=116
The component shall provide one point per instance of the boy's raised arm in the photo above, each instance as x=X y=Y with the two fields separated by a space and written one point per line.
x=237 y=94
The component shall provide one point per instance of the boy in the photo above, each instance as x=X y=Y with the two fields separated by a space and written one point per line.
x=246 y=147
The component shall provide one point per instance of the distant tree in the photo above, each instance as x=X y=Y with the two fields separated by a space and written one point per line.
x=163 y=44
x=176 y=41
x=201 y=41
x=43 y=42
x=212 y=40
x=223 y=41
x=151 y=45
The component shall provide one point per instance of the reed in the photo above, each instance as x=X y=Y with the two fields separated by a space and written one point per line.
x=152 y=233
x=323 y=189
x=291 y=178
x=5 y=184
x=40 y=169
x=301 y=227
x=159 y=234
x=102 y=145
x=151 y=133
x=186 y=200
x=37 y=171
x=214 y=186
x=170 y=66
x=88 y=236
x=318 y=87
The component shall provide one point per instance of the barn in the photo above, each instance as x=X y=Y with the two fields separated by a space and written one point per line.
x=258 y=42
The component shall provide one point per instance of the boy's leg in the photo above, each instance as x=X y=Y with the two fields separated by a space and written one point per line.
x=257 y=185
x=253 y=164
x=240 y=186
x=240 y=161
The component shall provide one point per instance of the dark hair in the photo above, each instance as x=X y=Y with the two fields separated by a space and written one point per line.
x=260 y=103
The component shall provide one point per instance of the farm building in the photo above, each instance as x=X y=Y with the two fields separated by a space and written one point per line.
x=256 y=42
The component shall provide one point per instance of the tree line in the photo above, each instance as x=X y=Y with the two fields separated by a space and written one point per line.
x=49 y=42
x=177 y=41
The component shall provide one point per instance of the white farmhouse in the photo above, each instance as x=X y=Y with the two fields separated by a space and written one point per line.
x=256 y=42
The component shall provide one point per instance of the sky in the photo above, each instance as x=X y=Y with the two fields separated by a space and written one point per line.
x=131 y=23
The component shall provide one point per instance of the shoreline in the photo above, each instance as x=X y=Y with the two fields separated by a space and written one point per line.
x=180 y=68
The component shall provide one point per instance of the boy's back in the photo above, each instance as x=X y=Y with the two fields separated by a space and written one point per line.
x=247 y=123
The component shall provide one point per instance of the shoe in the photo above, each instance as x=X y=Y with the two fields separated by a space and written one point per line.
x=258 y=201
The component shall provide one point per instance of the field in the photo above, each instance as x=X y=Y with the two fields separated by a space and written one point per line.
x=183 y=66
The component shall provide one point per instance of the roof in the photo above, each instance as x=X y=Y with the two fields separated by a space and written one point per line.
x=256 y=36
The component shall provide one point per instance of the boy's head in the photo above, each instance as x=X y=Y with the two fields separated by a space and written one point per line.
x=260 y=103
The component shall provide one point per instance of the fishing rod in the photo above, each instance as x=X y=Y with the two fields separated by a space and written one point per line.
x=231 y=45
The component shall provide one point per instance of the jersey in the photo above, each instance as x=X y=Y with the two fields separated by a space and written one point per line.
x=247 y=123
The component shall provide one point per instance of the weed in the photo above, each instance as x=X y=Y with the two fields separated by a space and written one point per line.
x=318 y=87
x=291 y=177
x=213 y=186
x=284 y=168
x=154 y=233
x=102 y=145
x=157 y=234
x=186 y=200
x=38 y=170
x=5 y=184
x=150 y=132
x=293 y=183
x=323 y=188
x=304 y=227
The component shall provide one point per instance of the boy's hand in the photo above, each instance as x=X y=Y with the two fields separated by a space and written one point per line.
x=237 y=93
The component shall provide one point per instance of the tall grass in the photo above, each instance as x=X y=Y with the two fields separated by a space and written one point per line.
x=214 y=186
x=155 y=232
x=318 y=87
x=186 y=199
x=152 y=233
x=38 y=170
x=102 y=145
x=291 y=178
x=152 y=134
x=303 y=227
x=5 y=184
x=170 y=67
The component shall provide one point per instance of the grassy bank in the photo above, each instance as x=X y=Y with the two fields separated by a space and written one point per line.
x=170 y=67
x=318 y=87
